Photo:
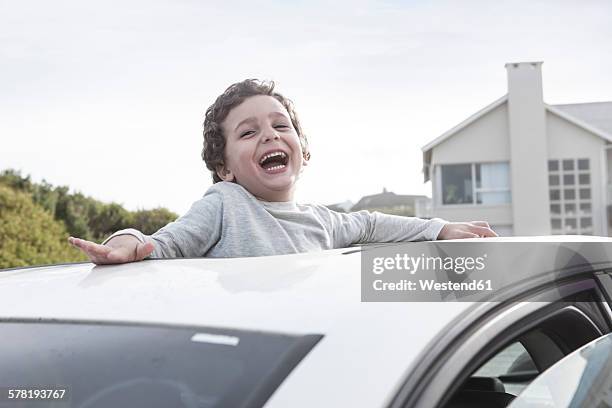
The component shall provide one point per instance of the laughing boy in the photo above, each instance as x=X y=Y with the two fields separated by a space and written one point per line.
x=256 y=150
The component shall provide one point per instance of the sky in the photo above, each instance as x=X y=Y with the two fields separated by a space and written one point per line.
x=108 y=97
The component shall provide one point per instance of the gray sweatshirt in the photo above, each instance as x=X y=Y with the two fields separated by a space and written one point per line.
x=230 y=222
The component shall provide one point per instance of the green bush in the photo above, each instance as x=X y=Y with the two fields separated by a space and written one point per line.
x=149 y=221
x=29 y=235
x=83 y=216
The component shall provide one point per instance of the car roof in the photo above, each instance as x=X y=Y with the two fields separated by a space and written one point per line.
x=300 y=293
x=365 y=344
x=295 y=294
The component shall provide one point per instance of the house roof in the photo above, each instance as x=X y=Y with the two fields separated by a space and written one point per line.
x=385 y=199
x=597 y=114
x=595 y=117
x=579 y=122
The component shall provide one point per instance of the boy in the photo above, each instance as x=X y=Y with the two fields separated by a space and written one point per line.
x=255 y=149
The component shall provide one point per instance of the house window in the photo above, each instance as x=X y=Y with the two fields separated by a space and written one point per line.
x=570 y=196
x=475 y=183
x=457 y=185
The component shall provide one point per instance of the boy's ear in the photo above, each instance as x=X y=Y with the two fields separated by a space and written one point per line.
x=224 y=173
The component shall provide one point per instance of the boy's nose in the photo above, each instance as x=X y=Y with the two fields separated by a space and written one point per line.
x=270 y=134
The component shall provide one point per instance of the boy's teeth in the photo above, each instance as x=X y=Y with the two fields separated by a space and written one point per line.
x=267 y=156
x=280 y=166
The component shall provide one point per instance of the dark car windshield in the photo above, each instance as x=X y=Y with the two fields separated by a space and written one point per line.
x=104 y=365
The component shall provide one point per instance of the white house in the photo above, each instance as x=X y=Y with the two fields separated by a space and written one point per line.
x=526 y=167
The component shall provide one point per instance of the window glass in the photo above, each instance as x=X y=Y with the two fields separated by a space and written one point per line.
x=586 y=222
x=490 y=184
x=494 y=175
x=585 y=193
x=491 y=178
x=555 y=209
x=553 y=180
x=555 y=194
x=555 y=223
x=553 y=165
x=129 y=366
x=457 y=184
x=571 y=186
x=493 y=197
x=582 y=379
x=514 y=359
x=504 y=362
x=585 y=208
x=583 y=164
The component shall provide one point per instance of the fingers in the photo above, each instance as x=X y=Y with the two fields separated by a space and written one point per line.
x=456 y=231
x=90 y=248
x=466 y=234
x=480 y=223
x=481 y=231
x=144 y=250
x=117 y=253
x=99 y=254
x=461 y=230
x=94 y=251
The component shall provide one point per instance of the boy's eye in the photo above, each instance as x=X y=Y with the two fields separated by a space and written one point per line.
x=247 y=133
x=281 y=126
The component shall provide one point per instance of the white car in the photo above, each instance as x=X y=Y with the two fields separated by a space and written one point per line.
x=293 y=331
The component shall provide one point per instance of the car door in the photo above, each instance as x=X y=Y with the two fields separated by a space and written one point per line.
x=548 y=323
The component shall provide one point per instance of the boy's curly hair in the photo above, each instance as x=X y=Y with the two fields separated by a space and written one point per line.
x=234 y=95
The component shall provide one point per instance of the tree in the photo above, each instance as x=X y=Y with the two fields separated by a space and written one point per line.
x=14 y=179
x=83 y=216
x=29 y=235
x=110 y=218
x=45 y=195
x=74 y=210
x=149 y=221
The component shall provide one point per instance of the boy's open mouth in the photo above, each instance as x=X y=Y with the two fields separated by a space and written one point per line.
x=273 y=161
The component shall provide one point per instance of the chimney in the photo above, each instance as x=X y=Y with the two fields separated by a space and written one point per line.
x=528 y=149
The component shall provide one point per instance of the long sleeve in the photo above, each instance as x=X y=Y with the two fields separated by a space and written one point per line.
x=363 y=227
x=191 y=235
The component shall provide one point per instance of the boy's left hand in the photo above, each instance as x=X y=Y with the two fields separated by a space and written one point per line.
x=459 y=230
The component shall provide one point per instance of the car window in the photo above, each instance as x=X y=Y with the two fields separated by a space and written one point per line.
x=535 y=346
x=582 y=379
x=506 y=361
x=511 y=366
x=106 y=365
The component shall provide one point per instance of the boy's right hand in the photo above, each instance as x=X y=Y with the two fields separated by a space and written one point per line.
x=120 y=249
